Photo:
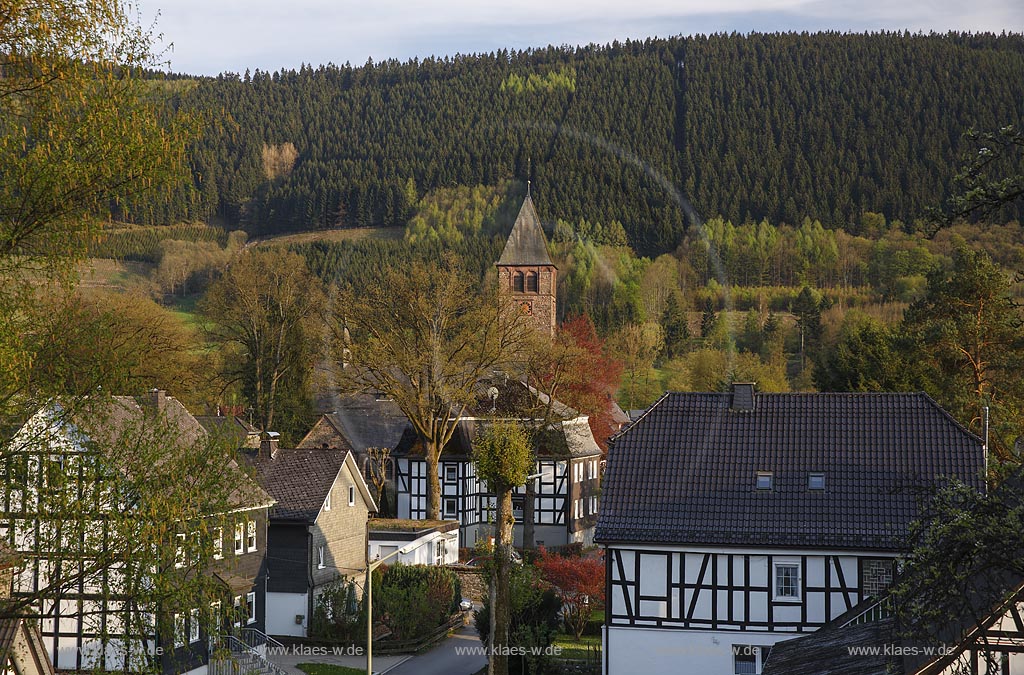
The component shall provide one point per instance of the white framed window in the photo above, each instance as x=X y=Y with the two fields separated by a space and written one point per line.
x=218 y=543
x=239 y=538
x=451 y=473
x=250 y=605
x=250 y=540
x=787 y=580
x=440 y=551
x=451 y=507
x=327 y=502
x=193 y=626
x=179 y=550
x=351 y=495
x=238 y=611
x=179 y=630
x=320 y=556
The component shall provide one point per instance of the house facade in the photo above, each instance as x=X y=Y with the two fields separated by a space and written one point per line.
x=564 y=498
x=72 y=577
x=734 y=520
x=317 y=533
x=425 y=542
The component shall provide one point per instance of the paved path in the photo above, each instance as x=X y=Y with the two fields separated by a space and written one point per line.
x=290 y=661
x=443 y=659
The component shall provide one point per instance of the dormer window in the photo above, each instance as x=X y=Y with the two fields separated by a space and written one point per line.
x=764 y=480
x=816 y=481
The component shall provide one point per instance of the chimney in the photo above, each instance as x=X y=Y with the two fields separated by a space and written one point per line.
x=268 y=444
x=157 y=399
x=742 y=396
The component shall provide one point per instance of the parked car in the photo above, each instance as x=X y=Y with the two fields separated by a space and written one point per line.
x=466 y=605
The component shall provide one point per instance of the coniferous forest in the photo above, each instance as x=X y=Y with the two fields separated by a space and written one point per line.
x=749 y=127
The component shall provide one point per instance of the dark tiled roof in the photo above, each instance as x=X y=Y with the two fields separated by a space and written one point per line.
x=684 y=472
x=230 y=428
x=298 y=479
x=570 y=438
x=526 y=243
x=828 y=652
x=359 y=421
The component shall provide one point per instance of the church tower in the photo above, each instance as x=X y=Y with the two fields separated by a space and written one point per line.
x=525 y=270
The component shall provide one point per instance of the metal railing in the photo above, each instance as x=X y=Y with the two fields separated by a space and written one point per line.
x=233 y=655
x=882 y=609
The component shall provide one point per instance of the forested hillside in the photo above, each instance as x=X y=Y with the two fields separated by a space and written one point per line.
x=826 y=126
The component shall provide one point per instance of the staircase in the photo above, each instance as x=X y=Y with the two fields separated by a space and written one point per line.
x=244 y=654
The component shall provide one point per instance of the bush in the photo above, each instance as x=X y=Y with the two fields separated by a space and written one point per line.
x=413 y=600
x=533 y=619
x=338 y=614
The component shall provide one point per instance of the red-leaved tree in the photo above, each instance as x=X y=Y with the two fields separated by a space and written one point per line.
x=579 y=583
x=577 y=370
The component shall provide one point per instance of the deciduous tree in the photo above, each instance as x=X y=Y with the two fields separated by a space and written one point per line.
x=426 y=337
x=579 y=583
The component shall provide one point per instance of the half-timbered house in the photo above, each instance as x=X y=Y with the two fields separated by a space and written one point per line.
x=735 y=520
x=72 y=578
x=566 y=483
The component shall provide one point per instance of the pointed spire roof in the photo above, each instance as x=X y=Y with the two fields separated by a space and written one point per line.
x=527 y=244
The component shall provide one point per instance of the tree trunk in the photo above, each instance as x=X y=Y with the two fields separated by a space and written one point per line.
x=502 y=601
x=433 y=456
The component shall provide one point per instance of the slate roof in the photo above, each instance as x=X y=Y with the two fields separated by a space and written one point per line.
x=828 y=651
x=298 y=479
x=526 y=243
x=685 y=471
x=359 y=421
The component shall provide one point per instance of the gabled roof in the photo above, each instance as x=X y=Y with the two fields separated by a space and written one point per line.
x=232 y=428
x=685 y=471
x=526 y=244
x=118 y=421
x=359 y=421
x=299 y=479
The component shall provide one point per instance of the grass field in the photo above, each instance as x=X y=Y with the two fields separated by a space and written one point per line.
x=351 y=234
x=571 y=649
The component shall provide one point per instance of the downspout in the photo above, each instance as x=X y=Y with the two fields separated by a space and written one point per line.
x=309 y=579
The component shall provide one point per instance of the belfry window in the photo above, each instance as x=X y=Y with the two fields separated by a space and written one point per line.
x=531 y=282
x=517 y=282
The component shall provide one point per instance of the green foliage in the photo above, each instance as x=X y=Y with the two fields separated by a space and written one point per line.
x=868 y=355
x=967 y=327
x=143 y=243
x=413 y=600
x=563 y=78
x=675 y=326
x=338 y=614
x=503 y=455
x=448 y=215
x=716 y=370
x=533 y=616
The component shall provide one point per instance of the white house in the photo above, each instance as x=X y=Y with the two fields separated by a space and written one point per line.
x=564 y=497
x=423 y=542
x=72 y=574
x=734 y=520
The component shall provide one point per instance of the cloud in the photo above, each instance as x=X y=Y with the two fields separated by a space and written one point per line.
x=211 y=36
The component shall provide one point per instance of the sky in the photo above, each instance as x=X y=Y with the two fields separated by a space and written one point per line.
x=207 y=37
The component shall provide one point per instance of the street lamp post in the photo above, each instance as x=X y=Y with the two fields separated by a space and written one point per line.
x=370 y=567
